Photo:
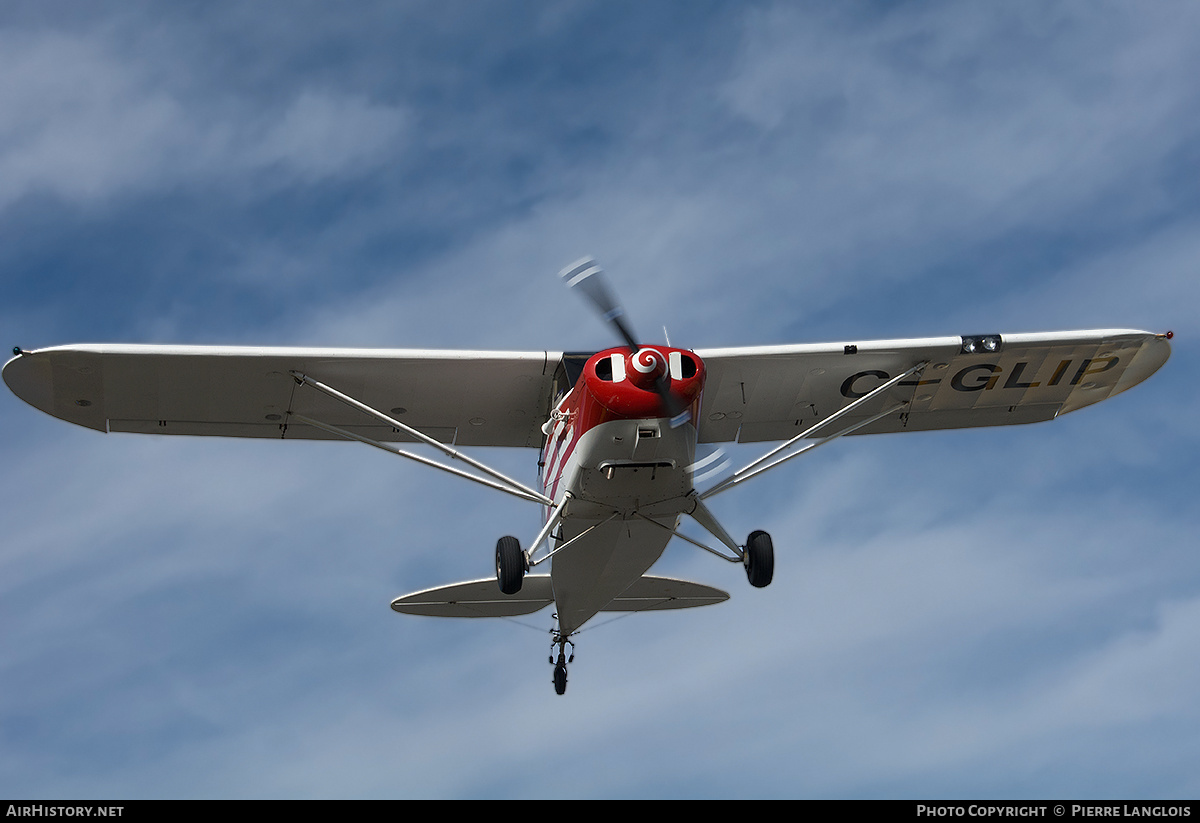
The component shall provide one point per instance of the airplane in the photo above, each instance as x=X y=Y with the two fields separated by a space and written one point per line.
x=618 y=430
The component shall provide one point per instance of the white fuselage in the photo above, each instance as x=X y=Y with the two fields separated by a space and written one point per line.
x=622 y=482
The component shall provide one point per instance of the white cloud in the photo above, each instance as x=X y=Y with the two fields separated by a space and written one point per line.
x=958 y=123
x=322 y=135
x=83 y=122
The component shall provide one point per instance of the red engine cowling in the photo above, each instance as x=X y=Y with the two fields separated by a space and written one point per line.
x=620 y=385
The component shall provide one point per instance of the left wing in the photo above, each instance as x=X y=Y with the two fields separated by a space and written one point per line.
x=463 y=397
x=776 y=392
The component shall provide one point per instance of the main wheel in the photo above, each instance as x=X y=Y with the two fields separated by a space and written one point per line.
x=560 y=679
x=759 y=559
x=510 y=565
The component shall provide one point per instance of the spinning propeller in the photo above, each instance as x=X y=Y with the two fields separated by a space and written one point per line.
x=590 y=279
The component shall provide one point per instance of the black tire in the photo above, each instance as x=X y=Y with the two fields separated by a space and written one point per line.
x=560 y=679
x=510 y=565
x=760 y=559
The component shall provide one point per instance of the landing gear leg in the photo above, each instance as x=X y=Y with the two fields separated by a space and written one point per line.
x=560 y=666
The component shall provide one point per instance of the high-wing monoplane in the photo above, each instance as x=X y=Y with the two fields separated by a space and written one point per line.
x=617 y=430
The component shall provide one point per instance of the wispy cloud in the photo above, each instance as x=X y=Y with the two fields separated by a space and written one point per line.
x=85 y=123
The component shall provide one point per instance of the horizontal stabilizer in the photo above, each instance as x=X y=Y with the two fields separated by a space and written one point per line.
x=478 y=598
x=657 y=593
x=482 y=598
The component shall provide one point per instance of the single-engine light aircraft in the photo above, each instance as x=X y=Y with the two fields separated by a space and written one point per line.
x=617 y=430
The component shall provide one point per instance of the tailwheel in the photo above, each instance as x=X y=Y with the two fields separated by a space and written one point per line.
x=510 y=565
x=759 y=559
x=560 y=667
x=560 y=676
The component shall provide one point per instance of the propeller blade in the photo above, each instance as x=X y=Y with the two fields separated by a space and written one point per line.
x=704 y=468
x=678 y=412
x=590 y=279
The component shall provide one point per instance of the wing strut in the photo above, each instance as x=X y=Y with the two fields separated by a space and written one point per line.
x=757 y=467
x=505 y=484
x=714 y=528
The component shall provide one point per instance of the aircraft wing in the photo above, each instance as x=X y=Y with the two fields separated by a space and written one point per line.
x=776 y=392
x=464 y=397
x=502 y=398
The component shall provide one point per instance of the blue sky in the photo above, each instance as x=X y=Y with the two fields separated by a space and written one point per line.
x=994 y=613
